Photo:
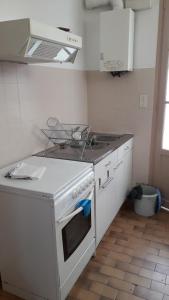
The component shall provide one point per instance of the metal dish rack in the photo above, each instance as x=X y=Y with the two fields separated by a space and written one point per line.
x=75 y=135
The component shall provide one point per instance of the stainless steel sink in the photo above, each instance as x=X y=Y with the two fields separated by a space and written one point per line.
x=98 y=145
x=98 y=141
x=94 y=145
x=106 y=137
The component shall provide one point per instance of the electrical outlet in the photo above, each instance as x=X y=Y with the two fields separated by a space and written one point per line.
x=143 y=101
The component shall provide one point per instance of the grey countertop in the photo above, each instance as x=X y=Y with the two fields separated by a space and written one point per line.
x=92 y=155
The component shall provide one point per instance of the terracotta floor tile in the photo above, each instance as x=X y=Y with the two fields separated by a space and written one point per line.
x=127 y=267
x=102 y=251
x=97 y=277
x=113 y=255
x=126 y=296
x=147 y=293
x=158 y=259
x=104 y=290
x=135 y=246
x=84 y=282
x=152 y=237
x=121 y=285
x=157 y=233
x=153 y=275
x=159 y=246
x=117 y=235
x=110 y=246
x=93 y=266
x=120 y=256
x=83 y=294
x=164 y=253
x=115 y=228
x=112 y=272
x=105 y=260
x=123 y=225
x=160 y=287
x=138 y=280
x=162 y=269
x=129 y=221
x=138 y=228
x=143 y=263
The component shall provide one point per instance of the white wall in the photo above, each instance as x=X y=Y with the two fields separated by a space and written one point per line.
x=29 y=94
x=113 y=103
x=65 y=13
x=146 y=29
x=114 y=107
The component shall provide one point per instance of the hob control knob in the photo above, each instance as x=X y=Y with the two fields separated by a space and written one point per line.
x=83 y=187
x=74 y=194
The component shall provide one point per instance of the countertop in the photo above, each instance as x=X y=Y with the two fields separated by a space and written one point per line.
x=90 y=155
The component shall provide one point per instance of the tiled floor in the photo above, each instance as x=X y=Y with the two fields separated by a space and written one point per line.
x=132 y=262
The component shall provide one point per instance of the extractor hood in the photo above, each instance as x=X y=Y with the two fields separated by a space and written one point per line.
x=28 y=41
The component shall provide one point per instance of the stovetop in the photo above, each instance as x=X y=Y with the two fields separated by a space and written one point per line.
x=91 y=154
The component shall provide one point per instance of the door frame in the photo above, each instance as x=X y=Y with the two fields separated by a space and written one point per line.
x=160 y=90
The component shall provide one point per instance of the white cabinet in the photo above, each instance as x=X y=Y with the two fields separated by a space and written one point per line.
x=104 y=209
x=105 y=190
x=127 y=172
x=113 y=180
x=119 y=186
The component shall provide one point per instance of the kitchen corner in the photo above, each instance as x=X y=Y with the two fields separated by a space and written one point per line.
x=78 y=129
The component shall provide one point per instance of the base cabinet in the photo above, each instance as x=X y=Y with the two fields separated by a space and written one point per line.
x=105 y=209
x=119 y=187
x=113 y=176
x=127 y=172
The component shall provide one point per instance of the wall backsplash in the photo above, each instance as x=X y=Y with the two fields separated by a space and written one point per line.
x=28 y=96
x=113 y=105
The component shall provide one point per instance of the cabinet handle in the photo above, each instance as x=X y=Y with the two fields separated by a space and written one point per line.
x=110 y=179
x=127 y=148
x=108 y=164
x=118 y=165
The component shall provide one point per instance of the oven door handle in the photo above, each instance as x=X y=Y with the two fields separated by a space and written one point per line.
x=75 y=212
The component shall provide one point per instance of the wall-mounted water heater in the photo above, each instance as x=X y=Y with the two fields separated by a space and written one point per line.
x=138 y=4
x=116 y=40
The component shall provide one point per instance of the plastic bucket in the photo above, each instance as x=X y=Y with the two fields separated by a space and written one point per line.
x=147 y=204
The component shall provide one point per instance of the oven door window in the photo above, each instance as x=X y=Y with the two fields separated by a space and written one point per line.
x=74 y=232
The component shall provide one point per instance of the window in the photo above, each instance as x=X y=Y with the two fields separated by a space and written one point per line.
x=165 y=143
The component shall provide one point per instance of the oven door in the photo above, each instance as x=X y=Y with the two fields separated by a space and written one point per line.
x=74 y=235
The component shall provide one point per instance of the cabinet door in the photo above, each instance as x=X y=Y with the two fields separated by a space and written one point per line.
x=105 y=198
x=123 y=177
x=104 y=168
x=127 y=172
x=119 y=186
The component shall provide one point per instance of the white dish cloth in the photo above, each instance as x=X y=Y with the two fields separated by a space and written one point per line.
x=26 y=171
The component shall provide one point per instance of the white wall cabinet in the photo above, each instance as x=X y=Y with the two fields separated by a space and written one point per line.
x=113 y=176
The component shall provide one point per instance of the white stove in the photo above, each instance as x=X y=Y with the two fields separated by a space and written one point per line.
x=46 y=238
